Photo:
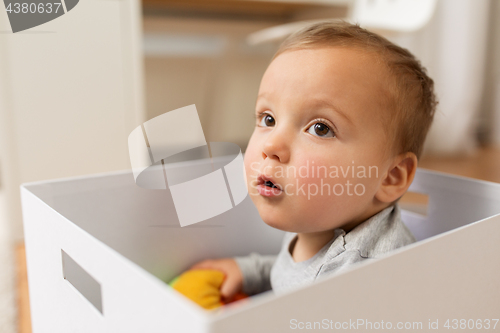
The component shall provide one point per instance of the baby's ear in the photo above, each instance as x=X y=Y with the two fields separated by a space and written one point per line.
x=398 y=178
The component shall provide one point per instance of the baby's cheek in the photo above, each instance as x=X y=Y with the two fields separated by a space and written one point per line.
x=320 y=180
x=252 y=169
x=251 y=160
x=311 y=180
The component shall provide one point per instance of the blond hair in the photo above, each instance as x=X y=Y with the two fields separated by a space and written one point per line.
x=413 y=100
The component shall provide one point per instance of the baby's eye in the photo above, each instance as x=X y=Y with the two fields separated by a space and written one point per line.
x=320 y=129
x=267 y=121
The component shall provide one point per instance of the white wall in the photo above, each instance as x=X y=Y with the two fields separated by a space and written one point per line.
x=70 y=93
x=492 y=93
x=453 y=47
x=73 y=93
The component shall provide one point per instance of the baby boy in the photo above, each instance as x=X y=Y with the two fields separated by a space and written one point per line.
x=341 y=117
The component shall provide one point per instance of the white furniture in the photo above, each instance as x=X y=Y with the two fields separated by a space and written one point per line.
x=99 y=246
x=378 y=15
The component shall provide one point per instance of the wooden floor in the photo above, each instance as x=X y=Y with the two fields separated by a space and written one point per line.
x=23 y=303
x=484 y=165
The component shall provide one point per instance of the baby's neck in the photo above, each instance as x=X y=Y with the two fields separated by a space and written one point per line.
x=308 y=244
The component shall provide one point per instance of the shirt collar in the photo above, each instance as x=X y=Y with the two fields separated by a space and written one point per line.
x=362 y=237
x=365 y=236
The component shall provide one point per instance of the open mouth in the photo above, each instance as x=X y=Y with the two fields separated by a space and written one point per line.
x=267 y=188
x=269 y=183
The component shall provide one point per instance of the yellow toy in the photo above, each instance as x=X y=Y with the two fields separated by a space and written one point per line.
x=203 y=287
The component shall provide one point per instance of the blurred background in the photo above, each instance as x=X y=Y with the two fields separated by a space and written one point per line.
x=73 y=89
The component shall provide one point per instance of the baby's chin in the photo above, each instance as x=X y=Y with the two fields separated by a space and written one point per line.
x=286 y=224
x=274 y=221
x=281 y=223
x=290 y=228
x=278 y=226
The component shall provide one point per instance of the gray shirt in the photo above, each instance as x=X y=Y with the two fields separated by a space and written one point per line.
x=376 y=236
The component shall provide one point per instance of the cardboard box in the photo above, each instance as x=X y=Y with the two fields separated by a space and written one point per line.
x=98 y=248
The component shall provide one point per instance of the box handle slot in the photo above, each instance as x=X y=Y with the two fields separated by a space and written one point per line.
x=82 y=281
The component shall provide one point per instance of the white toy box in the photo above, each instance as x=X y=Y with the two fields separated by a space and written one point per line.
x=99 y=248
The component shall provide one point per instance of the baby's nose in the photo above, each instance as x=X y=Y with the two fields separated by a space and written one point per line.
x=276 y=147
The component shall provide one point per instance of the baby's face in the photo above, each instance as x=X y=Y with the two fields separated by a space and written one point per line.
x=321 y=137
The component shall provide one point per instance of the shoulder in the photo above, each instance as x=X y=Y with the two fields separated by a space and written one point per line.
x=383 y=232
